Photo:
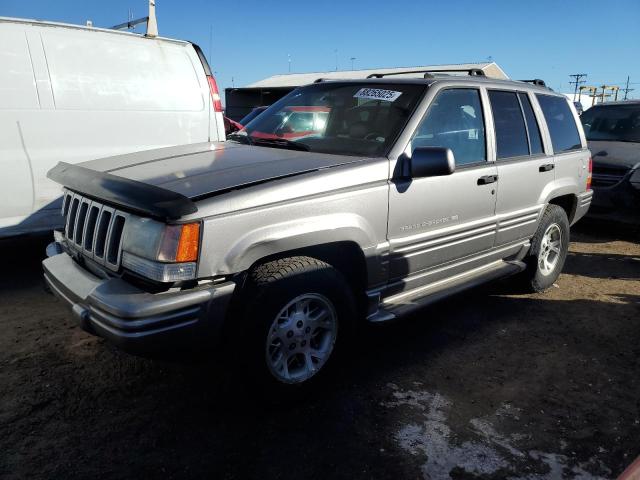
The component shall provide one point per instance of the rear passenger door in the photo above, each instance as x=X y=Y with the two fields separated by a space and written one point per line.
x=524 y=169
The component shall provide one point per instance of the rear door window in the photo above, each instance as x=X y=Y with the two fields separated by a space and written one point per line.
x=535 y=142
x=511 y=131
x=455 y=121
x=561 y=124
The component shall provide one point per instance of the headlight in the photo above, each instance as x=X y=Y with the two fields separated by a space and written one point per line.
x=165 y=253
x=158 y=271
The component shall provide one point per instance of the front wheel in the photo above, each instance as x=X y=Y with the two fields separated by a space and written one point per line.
x=549 y=247
x=299 y=312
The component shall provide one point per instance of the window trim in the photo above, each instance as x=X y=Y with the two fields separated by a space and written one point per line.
x=526 y=127
x=483 y=107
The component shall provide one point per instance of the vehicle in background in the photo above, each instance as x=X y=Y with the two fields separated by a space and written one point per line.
x=292 y=122
x=75 y=92
x=401 y=192
x=231 y=126
x=253 y=114
x=613 y=133
x=579 y=108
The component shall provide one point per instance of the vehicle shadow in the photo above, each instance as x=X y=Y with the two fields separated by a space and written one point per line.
x=603 y=265
x=589 y=230
x=21 y=258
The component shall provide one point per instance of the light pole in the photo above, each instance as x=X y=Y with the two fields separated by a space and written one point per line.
x=352 y=60
x=289 y=59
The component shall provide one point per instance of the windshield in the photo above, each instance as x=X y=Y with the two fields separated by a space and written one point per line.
x=347 y=119
x=614 y=123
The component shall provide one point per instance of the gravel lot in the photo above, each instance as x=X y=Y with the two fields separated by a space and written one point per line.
x=488 y=384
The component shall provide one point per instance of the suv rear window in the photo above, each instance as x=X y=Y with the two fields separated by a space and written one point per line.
x=562 y=126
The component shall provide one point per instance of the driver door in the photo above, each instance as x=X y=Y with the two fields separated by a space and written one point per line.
x=435 y=222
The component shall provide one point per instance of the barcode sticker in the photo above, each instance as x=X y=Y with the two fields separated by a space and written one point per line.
x=377 y=94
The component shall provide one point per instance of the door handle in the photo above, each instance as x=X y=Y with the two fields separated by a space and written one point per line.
x=546 y=167
x=487 y=179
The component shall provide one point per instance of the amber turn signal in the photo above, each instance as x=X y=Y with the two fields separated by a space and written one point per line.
x=189 y=243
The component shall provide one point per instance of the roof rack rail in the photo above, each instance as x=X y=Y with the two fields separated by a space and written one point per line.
x=474 y=72
x=535 y=81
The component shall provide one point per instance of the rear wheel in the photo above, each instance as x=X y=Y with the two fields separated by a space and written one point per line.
x=549 y=248
x=299 y=312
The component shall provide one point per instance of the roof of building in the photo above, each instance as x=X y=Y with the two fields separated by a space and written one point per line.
x=491 y=69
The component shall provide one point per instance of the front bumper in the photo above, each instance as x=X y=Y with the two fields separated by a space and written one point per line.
x=133 y=319
x=619 y=202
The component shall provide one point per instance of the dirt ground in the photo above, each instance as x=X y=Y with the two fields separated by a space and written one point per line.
x=488 y=384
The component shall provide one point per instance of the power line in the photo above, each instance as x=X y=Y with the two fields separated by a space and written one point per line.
x=577 y=82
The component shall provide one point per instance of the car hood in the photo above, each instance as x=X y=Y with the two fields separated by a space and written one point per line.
x=199 y=170
x=621 y=154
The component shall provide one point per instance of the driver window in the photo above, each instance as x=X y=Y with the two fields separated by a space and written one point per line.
x=454 y=120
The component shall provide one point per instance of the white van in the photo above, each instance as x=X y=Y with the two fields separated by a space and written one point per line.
x=78 y=93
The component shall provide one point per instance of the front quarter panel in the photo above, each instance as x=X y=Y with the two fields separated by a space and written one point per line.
x=335 y=205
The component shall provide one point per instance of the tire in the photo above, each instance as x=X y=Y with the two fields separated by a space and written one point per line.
x=544 y=262
x=289 y=349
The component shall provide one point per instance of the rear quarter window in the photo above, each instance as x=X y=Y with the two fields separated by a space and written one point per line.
x=561 y=123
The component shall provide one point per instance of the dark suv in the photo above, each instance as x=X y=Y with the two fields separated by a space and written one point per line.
x=613 y=133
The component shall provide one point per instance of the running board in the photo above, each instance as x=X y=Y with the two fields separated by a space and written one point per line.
x=400 y=304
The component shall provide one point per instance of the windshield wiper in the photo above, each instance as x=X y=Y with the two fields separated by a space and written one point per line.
x=281 y=143
x=241 y=138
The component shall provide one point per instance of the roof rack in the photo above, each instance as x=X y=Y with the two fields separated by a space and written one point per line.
x=474 y=72
x=535 y=81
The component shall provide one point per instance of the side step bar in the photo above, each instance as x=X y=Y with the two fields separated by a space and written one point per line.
x=405 y=302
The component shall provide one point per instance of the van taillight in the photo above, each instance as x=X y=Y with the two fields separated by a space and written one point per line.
x=215 y=94
x=590 y=173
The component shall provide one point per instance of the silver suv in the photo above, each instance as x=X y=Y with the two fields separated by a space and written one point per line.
x=278 y=241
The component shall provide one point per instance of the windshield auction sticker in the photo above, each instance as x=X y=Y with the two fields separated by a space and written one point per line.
x=377 y=94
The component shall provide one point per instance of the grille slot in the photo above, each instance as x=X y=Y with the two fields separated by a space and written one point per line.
x=94 y=229
x=101 y=237
x=71 y=219
x=82 y=215
x=113 y=249
x=91 y=228
x=608 y=175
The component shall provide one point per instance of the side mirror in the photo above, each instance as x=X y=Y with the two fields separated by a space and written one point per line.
x=431 y=162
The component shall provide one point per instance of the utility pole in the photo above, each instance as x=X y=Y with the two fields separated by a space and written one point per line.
x=336 y=52
x=289 y=60
x=626 y=89
x=577 y=82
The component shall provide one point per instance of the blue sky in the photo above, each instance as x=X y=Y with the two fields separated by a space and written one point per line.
x=253 y=39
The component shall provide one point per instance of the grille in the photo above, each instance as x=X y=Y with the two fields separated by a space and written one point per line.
x=94 y=229
x=606 y=176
